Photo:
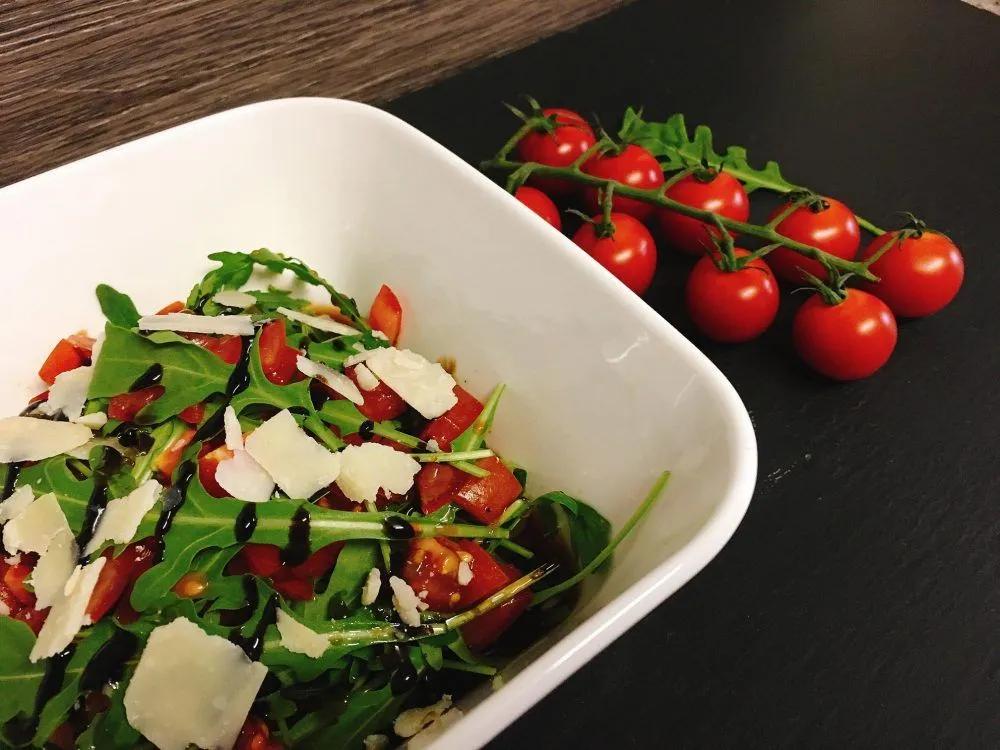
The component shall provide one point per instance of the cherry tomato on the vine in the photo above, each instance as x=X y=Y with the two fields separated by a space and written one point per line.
x=540 y=203
x=634 y=166
x=732 y=306
x=845 y=341
x=824 y=223
x=629 y=252
x=718 y=192
x=920 y=274
x=569 y=139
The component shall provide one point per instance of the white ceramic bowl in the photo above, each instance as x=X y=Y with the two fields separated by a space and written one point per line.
x=603 y=393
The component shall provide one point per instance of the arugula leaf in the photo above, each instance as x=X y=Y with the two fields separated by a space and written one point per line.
x=272 y=298
x=669 y=141
x=117 y=307
x=262 y=392
x=53 y=475
x=355 y=561
x=190 y=373
x=110 y=729
x=584 y=529
x=19 y=678
x=234 y=272
x=367 y=712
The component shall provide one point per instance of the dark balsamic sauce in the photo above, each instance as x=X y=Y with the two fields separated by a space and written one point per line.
x=297 y=550
x=233 y=617
x=412 y=422
x=253 y=645
x=108 y=663
x=21 y=731
x=404 y=679
x=151 y=377
x=174 y=498
x=134 y=438
x=397 y=527
x=239 y=380
x=13 y=472
x=246 y=522
x=318 y=395
x=110 y=462
x=367 y=430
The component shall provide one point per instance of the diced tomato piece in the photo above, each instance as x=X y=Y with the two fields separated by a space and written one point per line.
x=485 y=629
x=256 y=736
x=173 y=307
x=489 y=575
x=263 y=560
x=437 y=484
x=208 y=462
x=63 y=738
x=276 y=357
x=432 y=566
x=193 y=414
x=290 y=587
x=63 y=358
x=167 y=461
x=125 y=406
x=13 y=580
x=381 y=403
x=319 y=563
x=487 y=498
x=119 y=573
x=8 y=600
x=455 y=421
x=227 y=348
x=33 y=618
x=386 y=314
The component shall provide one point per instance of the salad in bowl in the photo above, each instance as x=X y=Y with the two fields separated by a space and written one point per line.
x=254 y=520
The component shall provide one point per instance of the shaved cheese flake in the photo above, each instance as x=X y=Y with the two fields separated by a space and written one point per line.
x=69 y=613
x=68 y=393
x=93 y=421
x=362 y=355
x=373 y=584
x=95 y=350
x=406 y=602
x=369 y=467
x=4 y=610
x=232 y=325
x=191 y=689
x=376 y=742
x=244 y=478
x=430 y=734
x=298 y=464
x=464 y=573
x=29 y=439
x=234 y=433
x=338 y=381
x=34 y=528
x=433 y=446
x=366 y=378
x=54 y=569
x=422 y=384
x=379 y=335
x=121 y=518
x=232 y=298
x=14 y=505
x=319 y=323
x=299 y=639
x=413 y=720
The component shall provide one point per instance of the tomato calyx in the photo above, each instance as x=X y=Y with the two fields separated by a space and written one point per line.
x=833 y=292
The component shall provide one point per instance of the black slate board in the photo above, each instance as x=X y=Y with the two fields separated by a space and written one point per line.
x=858 y=604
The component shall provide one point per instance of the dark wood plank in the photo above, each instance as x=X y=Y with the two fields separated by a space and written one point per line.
x=78 y=76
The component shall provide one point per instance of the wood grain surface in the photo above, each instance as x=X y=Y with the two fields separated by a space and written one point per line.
x=78 y=76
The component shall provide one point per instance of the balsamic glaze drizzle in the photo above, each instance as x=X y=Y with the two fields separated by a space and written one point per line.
x=13 y=471
x=239 y=380
x=367 y=430
x=152 y=376
x=253 y=645
x=174 y=497
x=134 y=438
x=297 y=550
x=246 y=522
x=21 y=731
x=397 y=527
x=108 y=663
x=404 y=678
x=110 y=462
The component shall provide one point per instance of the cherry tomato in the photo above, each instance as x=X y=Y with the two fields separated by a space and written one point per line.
x=455 y=421
x=540 y=203
x=484 y=631
x=255 y=735
x=732 y=306
x=126 y=406
x=846 y=341
x=173 y=307
x=432 y=566
x=208 y=462
x=919 y=275
x=634 y=166
x=486 y=498
x=718 y=192
x=386 y=314
x=167 y=461
x=278 y=360
x=488 y=574
x=569 y=140
x=488 y=577
x=14 y=577
x=118 y=573
x=227 y=348
x=193 y=414
x=319 y=563
x=437 y=484
x=63 y=358
x=33 y=618
x=824 y=223
x=629 y=253
x=381 y=402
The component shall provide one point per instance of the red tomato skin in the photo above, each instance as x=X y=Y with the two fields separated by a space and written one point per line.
x=33 y=618
x=14 y=577
x=732 y=306
x=386 y=314
x=570 y=139
x=278 y=360
x=319 y=562
x=263 y=560
x=635 y=167
x=227 y=348
x=431 y=566
x=484 y=631
x=724 y=195
x=487 y=498
x=255 y=735
x=63 y=358
x=167 y=461
x=629 y=254
x=193 y=414
x=292 y=588
x=455 y=421
x=848 y=341
x=436 y=484
x=208 y=462
x=173 y=307
x=918 y=275
x=541 y=204
x=833 y=230
x=488 y=574
x=118 y=573
x=381 y=403
x=126 y=406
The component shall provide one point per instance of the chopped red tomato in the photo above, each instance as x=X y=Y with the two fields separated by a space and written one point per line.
x=208 y=462
x=227 y=348
x=193 y=414
x=381 y=403
x=276 y=357
x=167 y=461
x=455 y=421
x=119 y=573
x=485 y=629
x=319 y=563
x=386 y=314
x=63 y=358
x=125 y=406
x=173 y=307
x=255 y=735
x=263 y=560
x=83 y=343
x=14 y=577
x=292 y=588
x=19 y=602
x=295 y=582
x=33 y=618
x=356 y=439
x=432 y=566
x=487 y=498
x=437 y=484
x=489 y=575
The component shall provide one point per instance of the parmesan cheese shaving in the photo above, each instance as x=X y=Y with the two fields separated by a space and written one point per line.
x=14 y=505
x=319 y=323
x=232 y=298
x=232 y=325
x=366 y=378
x=422 y=384
x=68 y=393
x=413 y=720
x=234 y=433
x=407 y=604
x=53 y=570
x=69 y=613
x=299 y=639
x=34 y=528
x=298 y=464
x=121 y=518
x=373 y=584
x=243 y=478
x=335 y=380
x=29 y=439
x=367 y=468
